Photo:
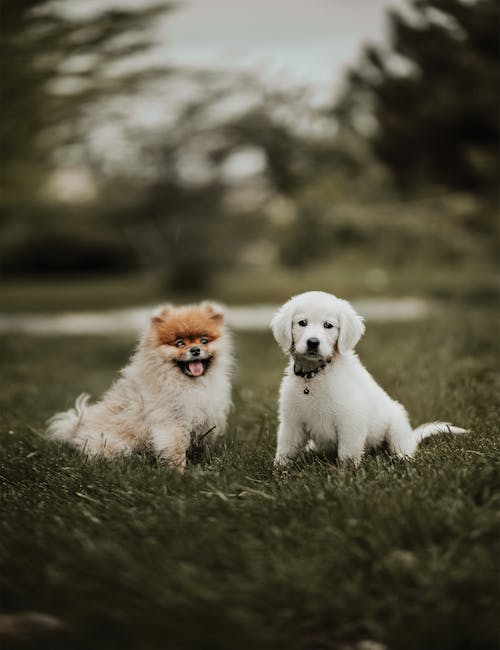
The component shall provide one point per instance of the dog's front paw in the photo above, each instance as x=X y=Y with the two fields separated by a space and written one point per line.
x=280 y=461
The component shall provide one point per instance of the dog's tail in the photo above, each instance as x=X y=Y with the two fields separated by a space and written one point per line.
x=63 y=425
x=431 y=428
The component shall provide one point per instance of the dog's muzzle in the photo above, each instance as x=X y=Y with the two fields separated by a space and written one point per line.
x=194 y=367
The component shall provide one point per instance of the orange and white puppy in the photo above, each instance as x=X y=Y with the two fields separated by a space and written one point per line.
x=176 y=389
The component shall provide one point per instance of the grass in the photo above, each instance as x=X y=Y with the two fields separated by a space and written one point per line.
x=350 y=275
x=128 y=554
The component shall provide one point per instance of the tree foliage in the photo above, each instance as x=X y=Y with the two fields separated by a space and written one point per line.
x=434 y=94
x=56 y=67
x=187 y=228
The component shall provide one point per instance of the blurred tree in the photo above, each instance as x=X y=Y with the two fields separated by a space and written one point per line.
x=430 y=104
x=59 y=64
x=177 y=232
x=289 y=156
x=55 y=67
x=189 y=220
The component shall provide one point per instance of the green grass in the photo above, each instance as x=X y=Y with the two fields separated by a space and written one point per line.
x=346 y=275
x=129 y=554
x=25 y=295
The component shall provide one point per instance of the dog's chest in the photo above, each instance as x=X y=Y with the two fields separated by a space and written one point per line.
x=197 y=403
x=315 y=404
x=205 y=405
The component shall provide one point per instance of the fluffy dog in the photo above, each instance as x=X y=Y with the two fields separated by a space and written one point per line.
x=175 y=388
x=327 y=395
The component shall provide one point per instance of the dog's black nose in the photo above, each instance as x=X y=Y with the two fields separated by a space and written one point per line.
x=312 y=343
x=194 y=351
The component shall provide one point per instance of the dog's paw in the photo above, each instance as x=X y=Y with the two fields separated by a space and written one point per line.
x=280 y=463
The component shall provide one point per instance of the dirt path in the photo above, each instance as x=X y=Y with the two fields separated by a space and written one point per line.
x=255 y=317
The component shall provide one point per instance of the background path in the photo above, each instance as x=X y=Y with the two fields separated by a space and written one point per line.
x=256 y=317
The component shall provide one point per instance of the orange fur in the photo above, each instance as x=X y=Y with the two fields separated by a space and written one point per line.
x=187 y=323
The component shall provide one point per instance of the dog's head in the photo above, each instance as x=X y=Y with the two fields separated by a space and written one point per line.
x=187 y=337
x=314 y=325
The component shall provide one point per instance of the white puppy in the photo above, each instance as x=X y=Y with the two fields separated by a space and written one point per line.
x=176 y=389
x=327 y=395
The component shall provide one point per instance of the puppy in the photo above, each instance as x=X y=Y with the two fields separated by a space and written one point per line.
x=327 y=395
x=176 y=388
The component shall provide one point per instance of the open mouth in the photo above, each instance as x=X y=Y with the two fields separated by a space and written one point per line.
x=194 y=368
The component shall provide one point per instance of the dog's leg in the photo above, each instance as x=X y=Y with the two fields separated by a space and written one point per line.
x=401 y=439
x=171 y=445
x=291 y=439
x=106 y=445
x=210 y=431
x=351 y=441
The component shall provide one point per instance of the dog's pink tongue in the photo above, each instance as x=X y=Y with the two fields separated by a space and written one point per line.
x=196 y=368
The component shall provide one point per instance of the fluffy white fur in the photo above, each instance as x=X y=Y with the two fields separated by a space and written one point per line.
x=153 y=403
x=344 y=408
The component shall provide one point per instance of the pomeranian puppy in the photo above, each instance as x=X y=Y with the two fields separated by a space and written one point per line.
x=175 y=390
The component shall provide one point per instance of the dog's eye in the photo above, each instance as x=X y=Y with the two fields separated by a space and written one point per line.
x=303 y=322
x=179 y=344
x=327 y=325
x=204 y=340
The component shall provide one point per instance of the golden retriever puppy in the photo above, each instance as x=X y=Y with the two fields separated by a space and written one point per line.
x=327 y=396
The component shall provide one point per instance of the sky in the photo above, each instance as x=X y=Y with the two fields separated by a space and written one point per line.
x=285 y=42
x=304 y=41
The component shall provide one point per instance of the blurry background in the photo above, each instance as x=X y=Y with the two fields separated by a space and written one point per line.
x=247 y=151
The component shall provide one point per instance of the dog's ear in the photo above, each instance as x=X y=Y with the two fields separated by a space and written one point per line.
x=160 y=314
x=351 y=328
x=214 y=311
x=281 y=326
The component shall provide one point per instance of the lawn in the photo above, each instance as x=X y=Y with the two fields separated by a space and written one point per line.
x=350 y=275
x=231 y=556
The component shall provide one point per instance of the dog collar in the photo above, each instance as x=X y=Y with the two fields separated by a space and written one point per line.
x=309 y=374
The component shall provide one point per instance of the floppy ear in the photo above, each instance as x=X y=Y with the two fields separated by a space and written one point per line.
x=351 y=328
x=281 y=326
x=215 y=312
